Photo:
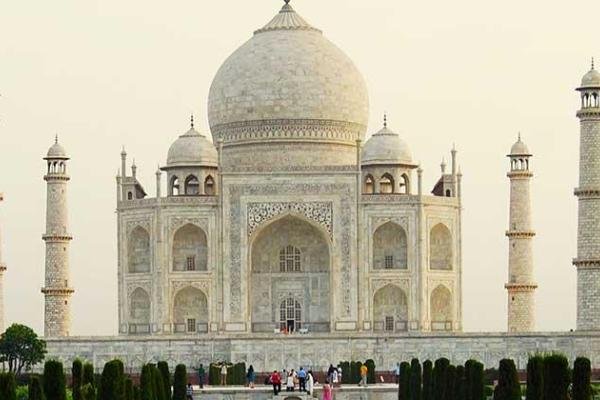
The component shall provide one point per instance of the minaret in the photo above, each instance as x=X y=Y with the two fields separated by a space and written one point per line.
x=57 y=292
x=2 y=269
x=521 y=286
x=588 y=194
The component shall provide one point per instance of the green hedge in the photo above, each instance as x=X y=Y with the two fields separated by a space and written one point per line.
x=414 y=390
x=179 y=382
x=535 y=378
x=112 y=382
x=403 y=387
x=582 y=370
x=35 y=391
x=556 y=377
x=76 y=379
x=8 y=386
x=163 y=368
x=508 y=387
x=54 y=381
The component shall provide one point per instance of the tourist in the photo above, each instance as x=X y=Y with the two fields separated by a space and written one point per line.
x=363 y=375
x=276 y=382
x=289 y=387
x=302 y=380
x=201 y=376
x=189 y=392
x=223 y=374
x=397 y=373
x=330 y=372
x=327 y=391
x=334 y=380
x=340 y=377
x=310 y=383
x=251 y=377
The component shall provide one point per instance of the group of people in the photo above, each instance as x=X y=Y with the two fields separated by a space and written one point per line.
x=303 y=379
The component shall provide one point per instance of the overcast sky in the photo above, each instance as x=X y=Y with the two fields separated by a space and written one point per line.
x=107 y=73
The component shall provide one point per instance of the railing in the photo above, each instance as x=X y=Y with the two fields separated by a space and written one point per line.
x=139 y=329
x=182 y=328
x=305 y=327
x=445 y=326
x=399 y=326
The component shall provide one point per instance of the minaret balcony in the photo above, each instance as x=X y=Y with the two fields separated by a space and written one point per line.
x=520 y=234
x=58 y=291
x=589 y=112
x=587 y=263
x=520 y=287
x=53 y=237
x=589 y=192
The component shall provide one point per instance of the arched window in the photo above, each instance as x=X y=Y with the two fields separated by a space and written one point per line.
x=139 y=308
x=441 y=309
x=190 y=249
x=129 y=196
x=390 y=309
x=192 y=186
x=139 y=250
x=190 y=307
x=209 y=186
x=386 y=184
x=389 y=247
x=174 y=186
x=448 y=193
x=290 y=259
x=440 y=248
x=369 y=184
x=290 y=315
x=405 y=184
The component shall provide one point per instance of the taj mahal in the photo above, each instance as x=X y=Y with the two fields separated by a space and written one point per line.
x=284 y=224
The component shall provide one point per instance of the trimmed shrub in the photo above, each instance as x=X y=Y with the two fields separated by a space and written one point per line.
x=147 y=383
x=414 y=387
x=214 y=375
x=371 y=371
x=474 y=380
x=8 y=386
x=159 y=387
x=163 y=367
x=460 y=384
x=345 y=367
x=88 y=392
x=535 y=378
x=450 y=382
x=440 y=378
x=556 y=377
x=508 y=387
x=137 y=393
x=128 y=389
x=88 y=374
x=427 y=380
x=582 y=370
x=35 y=391
x=76 y=379
x=112 y=381
x=54 y=381
x=179 y=382
x=403 y=387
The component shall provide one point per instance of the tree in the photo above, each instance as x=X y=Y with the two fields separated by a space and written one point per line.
x=8 y=386
x=474 y=380
x=556 y=377
x=535 y=378
x=88 y=392
x=450 y=382
x=159 y=387
x=76 y=379
x=370 y=371
x=163 y=367
x=88 y=374
x=128 y=389
x=179 y=382
x=428 y=380
x=54 y=381
x=415 y=380
x=112 y=381
x=21 y=348
x=508 y=387
x=440 y=378
x=460 y=384
x=147 y=383
x=403 y=387
x=35 y=388
x=582 y=371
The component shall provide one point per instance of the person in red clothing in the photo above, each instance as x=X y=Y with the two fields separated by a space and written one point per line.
x=276 y=382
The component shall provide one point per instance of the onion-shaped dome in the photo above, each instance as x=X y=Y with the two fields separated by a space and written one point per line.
x=386 y=147
x=591 y=79
x=288 y=82
x=56 y=151
x=192 y=149
x=519 y=148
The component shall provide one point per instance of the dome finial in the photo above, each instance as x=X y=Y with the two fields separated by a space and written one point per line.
x=192 y=121
x=592 y=62
x=519 y=135
x=56 y=138
x=287 y=1
x=385 y=119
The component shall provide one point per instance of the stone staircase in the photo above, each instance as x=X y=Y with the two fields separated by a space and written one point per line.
x=293 y=396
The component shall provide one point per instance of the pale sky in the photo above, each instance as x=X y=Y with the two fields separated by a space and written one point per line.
x=107 y=73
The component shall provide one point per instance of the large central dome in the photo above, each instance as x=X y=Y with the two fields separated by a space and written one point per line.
x=288 y=83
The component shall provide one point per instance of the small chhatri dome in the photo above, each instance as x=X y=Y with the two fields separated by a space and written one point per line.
x=57 y=151
x=386 y=147
x=192 y=149
x=591 y=79
x=519 y=148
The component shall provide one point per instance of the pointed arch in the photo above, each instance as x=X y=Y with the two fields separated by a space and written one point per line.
x=138 y=250
x=209 y=186
x=190 y=249
x=390 y=247
x=387 y=183
x=440 y=248
x=174 y=186
x=190 y=309
x=405 y=184
x=139 y=307
x=192 y=186
x=390 y=309
x=369 y=185
x=441 y=308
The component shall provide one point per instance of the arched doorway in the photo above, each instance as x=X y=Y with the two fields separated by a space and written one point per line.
x=441 y=309
x=290 y=265
x=390 y=309
x=190 y=311
x=189 y=249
